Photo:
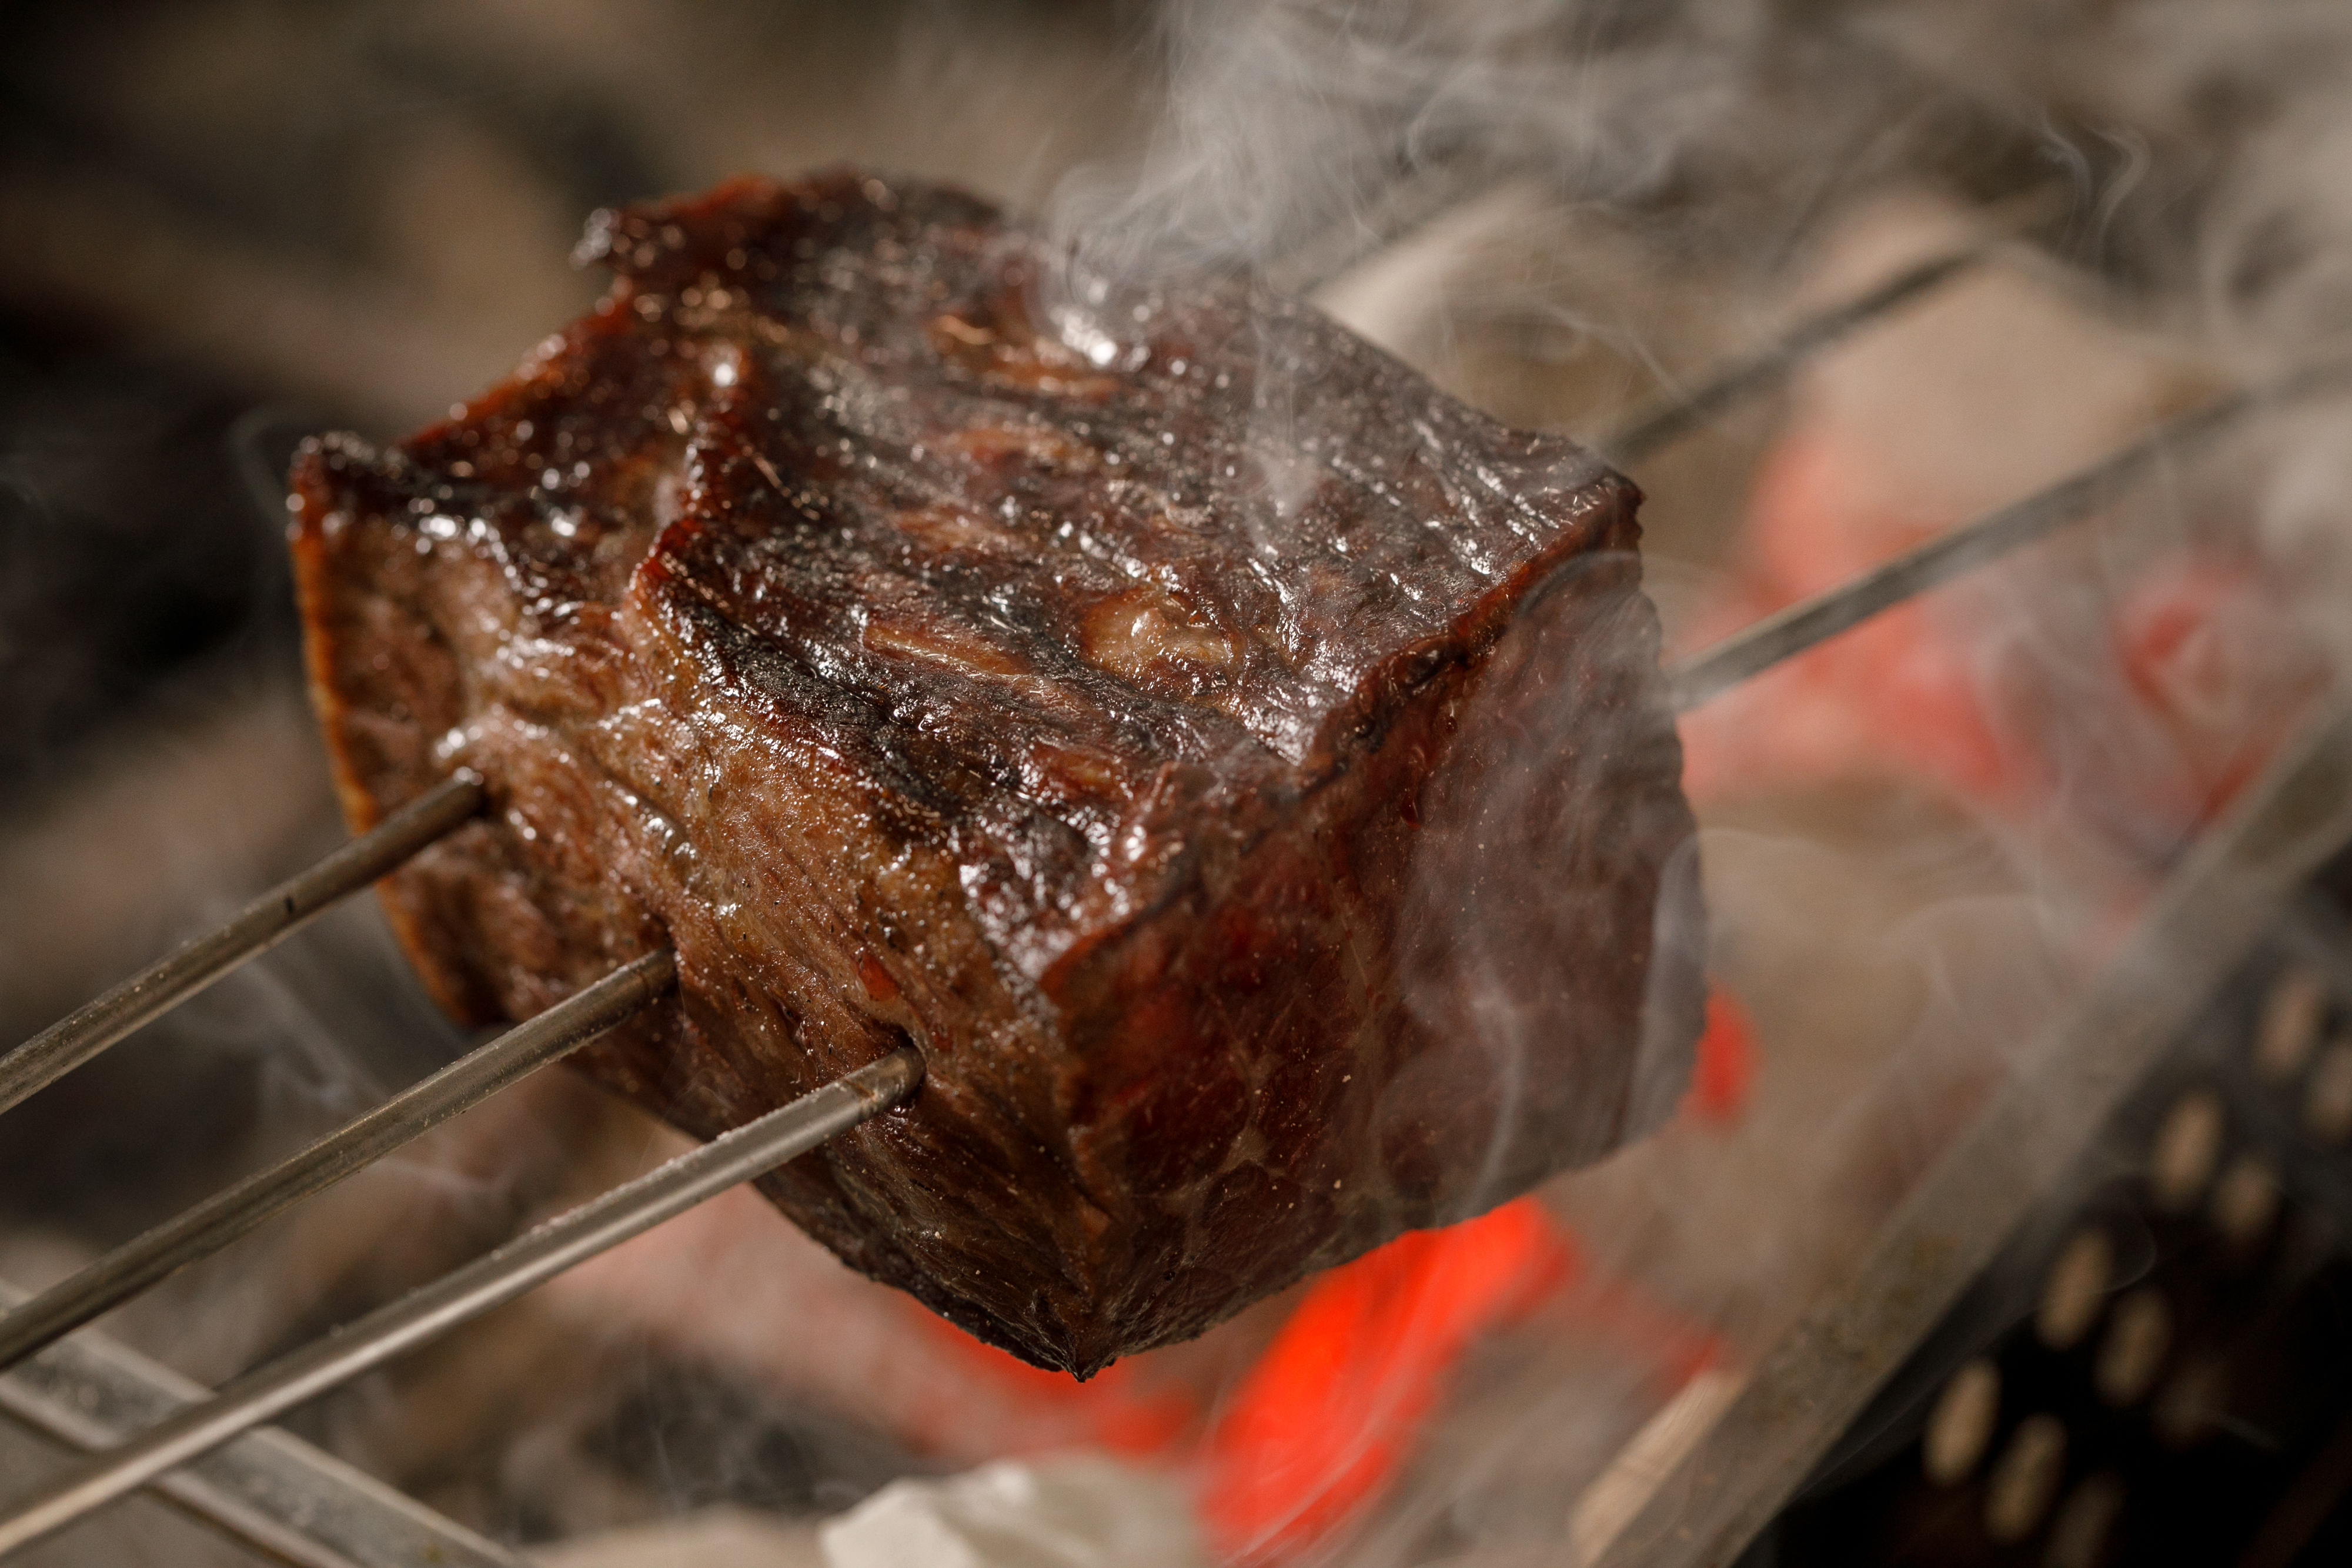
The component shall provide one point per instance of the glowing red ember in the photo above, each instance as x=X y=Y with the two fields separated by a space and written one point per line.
x=1323 y=1420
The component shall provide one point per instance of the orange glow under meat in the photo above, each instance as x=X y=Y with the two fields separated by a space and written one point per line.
x=1325 y=1416
x=1725 y=1069
x=1325 y=1421
x=1115 y=1411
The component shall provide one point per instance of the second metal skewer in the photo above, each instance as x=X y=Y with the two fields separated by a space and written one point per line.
x=269 y=920
x=220 y=1220
x=491 y=1281
x=1716 y=669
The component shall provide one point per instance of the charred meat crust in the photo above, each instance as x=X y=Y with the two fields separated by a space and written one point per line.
x=1244 y=769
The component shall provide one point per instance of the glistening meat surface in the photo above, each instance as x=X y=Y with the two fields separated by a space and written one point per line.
x=1242 y=769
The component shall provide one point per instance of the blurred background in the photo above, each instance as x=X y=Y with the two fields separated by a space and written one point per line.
x=226 y=225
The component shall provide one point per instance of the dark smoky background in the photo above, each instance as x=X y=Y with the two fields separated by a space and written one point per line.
x=228 y=224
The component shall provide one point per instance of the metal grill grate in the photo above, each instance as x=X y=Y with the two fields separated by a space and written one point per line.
x=2107 y=1325
x=2157 y=1367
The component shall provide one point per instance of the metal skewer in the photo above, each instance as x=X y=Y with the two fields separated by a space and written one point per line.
x=491 y=1281
x=270 y=1489
x=66 y=1045
x=220 y=1220
x=1713 y=671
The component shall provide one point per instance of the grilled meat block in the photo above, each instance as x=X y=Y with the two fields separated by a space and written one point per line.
x=1244 y=769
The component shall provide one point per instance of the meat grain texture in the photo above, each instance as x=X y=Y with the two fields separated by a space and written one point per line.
x=1242 y=769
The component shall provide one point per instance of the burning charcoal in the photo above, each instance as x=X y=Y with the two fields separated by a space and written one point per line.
x=1243 y=770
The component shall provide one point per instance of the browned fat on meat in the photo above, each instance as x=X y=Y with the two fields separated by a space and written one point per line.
x=1242 y=769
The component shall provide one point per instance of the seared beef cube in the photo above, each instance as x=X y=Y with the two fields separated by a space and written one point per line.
x=1242 y=769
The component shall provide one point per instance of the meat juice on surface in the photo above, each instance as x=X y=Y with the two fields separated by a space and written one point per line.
x=1245 y=770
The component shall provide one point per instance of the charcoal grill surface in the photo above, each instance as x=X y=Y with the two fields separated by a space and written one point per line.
x=2161 y=1353
x=2108 y=1325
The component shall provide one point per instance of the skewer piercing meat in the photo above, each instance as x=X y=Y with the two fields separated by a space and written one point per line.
x=1242 y=769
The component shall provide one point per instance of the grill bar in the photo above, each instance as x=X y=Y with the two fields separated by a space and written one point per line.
x=66 y=1045
x=499 y=1277
x=1822 y=1373
x=1713 y=671
x=1670 y=419
x=269 y=1488
x=220 y=1220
